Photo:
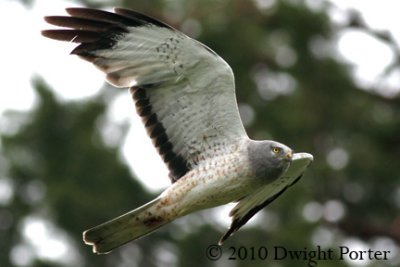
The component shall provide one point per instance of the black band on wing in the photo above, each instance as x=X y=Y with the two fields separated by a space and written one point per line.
x=176 y=163
x=239 y=222
x=96 y=29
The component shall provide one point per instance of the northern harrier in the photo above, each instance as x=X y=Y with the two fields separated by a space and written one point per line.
x=185 y=94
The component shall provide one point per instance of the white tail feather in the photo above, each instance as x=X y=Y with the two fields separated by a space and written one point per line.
x=130 y=226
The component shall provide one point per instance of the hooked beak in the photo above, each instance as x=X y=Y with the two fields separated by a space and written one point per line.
x=289 y=155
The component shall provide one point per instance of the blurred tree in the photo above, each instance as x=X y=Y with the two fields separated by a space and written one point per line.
x=292 y=87
x=61 y=168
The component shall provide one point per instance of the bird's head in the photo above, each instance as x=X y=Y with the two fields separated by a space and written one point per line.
x=280 y=152
x=269 y=159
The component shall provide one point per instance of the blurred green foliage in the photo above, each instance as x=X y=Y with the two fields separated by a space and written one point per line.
x=291 y=87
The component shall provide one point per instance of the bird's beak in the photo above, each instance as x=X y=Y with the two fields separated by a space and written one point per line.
x=289 y=155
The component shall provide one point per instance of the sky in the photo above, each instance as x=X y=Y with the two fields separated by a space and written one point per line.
x=26 y=53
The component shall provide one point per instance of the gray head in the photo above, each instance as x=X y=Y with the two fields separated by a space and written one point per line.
x=269 y=159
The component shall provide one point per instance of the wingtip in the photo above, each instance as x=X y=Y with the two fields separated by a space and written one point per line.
x=48 y=19
x=73 y=11
x=309 y=156
x=45 y=33
x=303 y=155
x=96 y=249
x=228 y=234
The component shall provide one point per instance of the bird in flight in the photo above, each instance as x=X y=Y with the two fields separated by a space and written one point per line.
x=185 y=94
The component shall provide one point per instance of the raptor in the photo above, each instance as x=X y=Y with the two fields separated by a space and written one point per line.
x=185 y=95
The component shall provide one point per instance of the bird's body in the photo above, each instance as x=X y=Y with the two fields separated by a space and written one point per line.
x=185 y=94
x=229 y=172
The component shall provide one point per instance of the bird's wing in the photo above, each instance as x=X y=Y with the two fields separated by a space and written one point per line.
x=183 y=91
x=251 y=204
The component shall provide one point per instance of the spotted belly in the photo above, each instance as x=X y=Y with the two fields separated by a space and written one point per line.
x=214 y=183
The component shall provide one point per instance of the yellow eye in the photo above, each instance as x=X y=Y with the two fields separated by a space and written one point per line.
x=276 y=149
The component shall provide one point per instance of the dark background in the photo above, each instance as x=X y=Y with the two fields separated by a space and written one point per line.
x=60 y=168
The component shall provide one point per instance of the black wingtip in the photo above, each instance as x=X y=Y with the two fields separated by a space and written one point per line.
x=228 y=234
x=223 y=238
x=95 y=29
x=76 y=36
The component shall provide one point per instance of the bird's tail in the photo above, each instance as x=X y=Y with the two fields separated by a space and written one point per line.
x=130 y=226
